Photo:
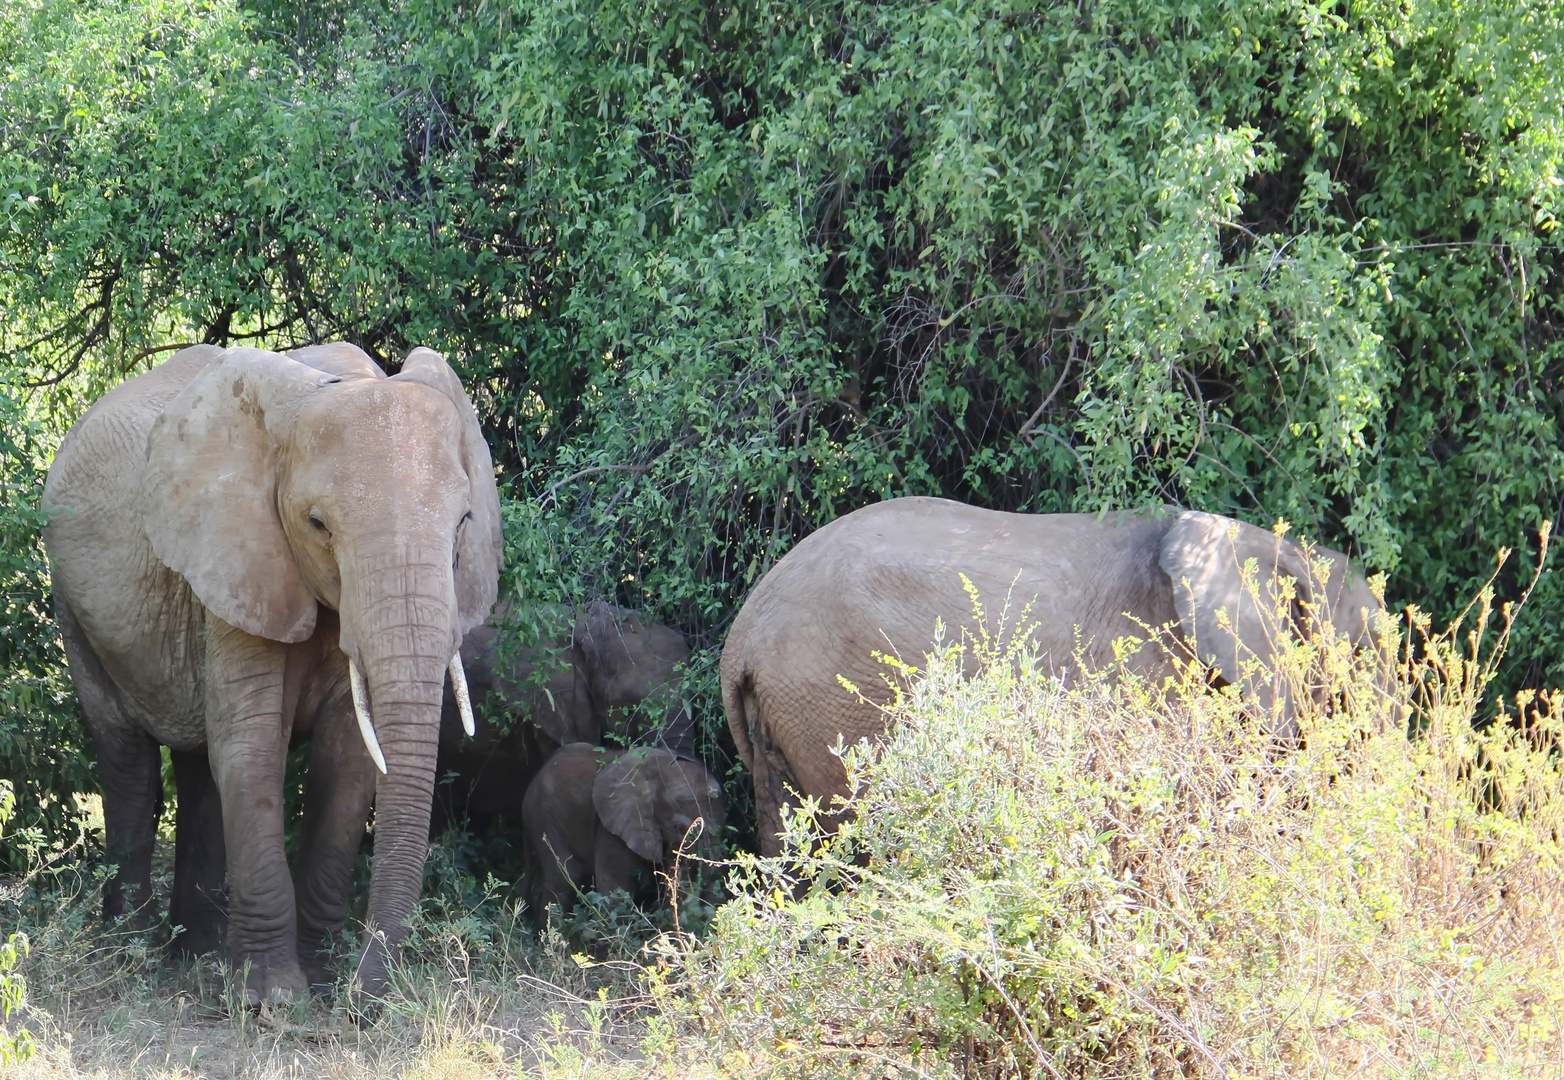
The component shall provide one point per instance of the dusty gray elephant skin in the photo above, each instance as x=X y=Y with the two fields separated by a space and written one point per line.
x=245 y=547
x=600 y=819
x=590 y=682
x=877 y=579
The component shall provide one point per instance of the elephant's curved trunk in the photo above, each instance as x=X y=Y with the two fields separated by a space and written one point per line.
x=407 y=715
x=402 y=639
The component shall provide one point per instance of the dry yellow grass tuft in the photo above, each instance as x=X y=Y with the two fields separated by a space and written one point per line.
x=109 y=1006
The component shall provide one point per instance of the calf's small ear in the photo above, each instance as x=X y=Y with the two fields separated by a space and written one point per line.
x=625 y=798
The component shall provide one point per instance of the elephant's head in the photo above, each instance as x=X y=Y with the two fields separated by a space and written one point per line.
x=629 y=662
x=649 y=797
x=282 y=483
x=1236 y=626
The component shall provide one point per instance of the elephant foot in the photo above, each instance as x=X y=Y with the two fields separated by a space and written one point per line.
x=279 y=982
x=365 y=1010
x=322 y=976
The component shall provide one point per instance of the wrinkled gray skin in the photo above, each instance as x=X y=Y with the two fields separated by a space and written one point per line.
x=612 y=662
x=225 y=531
x=599 y=819
x=877 y=580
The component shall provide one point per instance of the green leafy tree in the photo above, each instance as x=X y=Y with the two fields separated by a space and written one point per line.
x=45 y=753
x=20 y=1045
x=718 y=273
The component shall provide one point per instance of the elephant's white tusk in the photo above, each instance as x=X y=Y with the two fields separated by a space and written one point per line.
x=366 y=726
x=463 y=698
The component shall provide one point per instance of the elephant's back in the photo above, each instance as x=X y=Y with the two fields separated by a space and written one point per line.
x=96 y=476
x=117 y=424
x=102 y=564
x=880 y=577
x=879 y=580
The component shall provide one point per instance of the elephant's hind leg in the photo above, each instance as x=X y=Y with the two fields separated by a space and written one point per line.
x=199 y=905
x=773 y=779
x=132 y=775
x=130 y=772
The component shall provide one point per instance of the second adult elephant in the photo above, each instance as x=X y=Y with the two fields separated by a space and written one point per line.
x=590 y=683
x=876 y=580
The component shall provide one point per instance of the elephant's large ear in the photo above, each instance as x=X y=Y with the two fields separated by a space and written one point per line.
x=1346 y=599
x=209 y=494
x=625 y=798
x=479 y=545
x=1226 y=622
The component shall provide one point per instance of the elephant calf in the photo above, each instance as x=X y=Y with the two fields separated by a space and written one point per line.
x=597 y=818
x=612 y=664
x=876 y=580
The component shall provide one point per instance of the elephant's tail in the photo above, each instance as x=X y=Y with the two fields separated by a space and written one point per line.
x=739 y=705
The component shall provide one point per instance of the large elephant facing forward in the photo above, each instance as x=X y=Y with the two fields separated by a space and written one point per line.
x=877 y=579
x=246 y=545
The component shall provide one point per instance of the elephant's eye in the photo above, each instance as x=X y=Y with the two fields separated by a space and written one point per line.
x=316 y=523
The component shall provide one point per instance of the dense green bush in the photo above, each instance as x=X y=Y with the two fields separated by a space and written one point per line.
x=1104 y=882
x=720 y=272
x=13 y=985
x=46 y=755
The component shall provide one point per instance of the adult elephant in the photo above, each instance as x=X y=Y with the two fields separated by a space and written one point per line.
x=588 y=683
x=876 y=580
x=246 y=545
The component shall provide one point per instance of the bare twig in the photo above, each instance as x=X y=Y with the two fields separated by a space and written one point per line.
x=144 y=353
x=548 y=494
x=104 y=305
x=1031 y=421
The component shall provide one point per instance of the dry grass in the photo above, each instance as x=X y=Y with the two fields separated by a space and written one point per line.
x=481 y=996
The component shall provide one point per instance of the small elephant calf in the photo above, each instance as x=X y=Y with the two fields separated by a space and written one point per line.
x=593 y=817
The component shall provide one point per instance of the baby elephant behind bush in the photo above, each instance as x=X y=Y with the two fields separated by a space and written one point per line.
x=601 y=819
x=611 y=673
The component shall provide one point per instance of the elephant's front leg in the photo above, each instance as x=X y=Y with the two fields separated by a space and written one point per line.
x=247 y=741
x=338 y=791
x=615 y=868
